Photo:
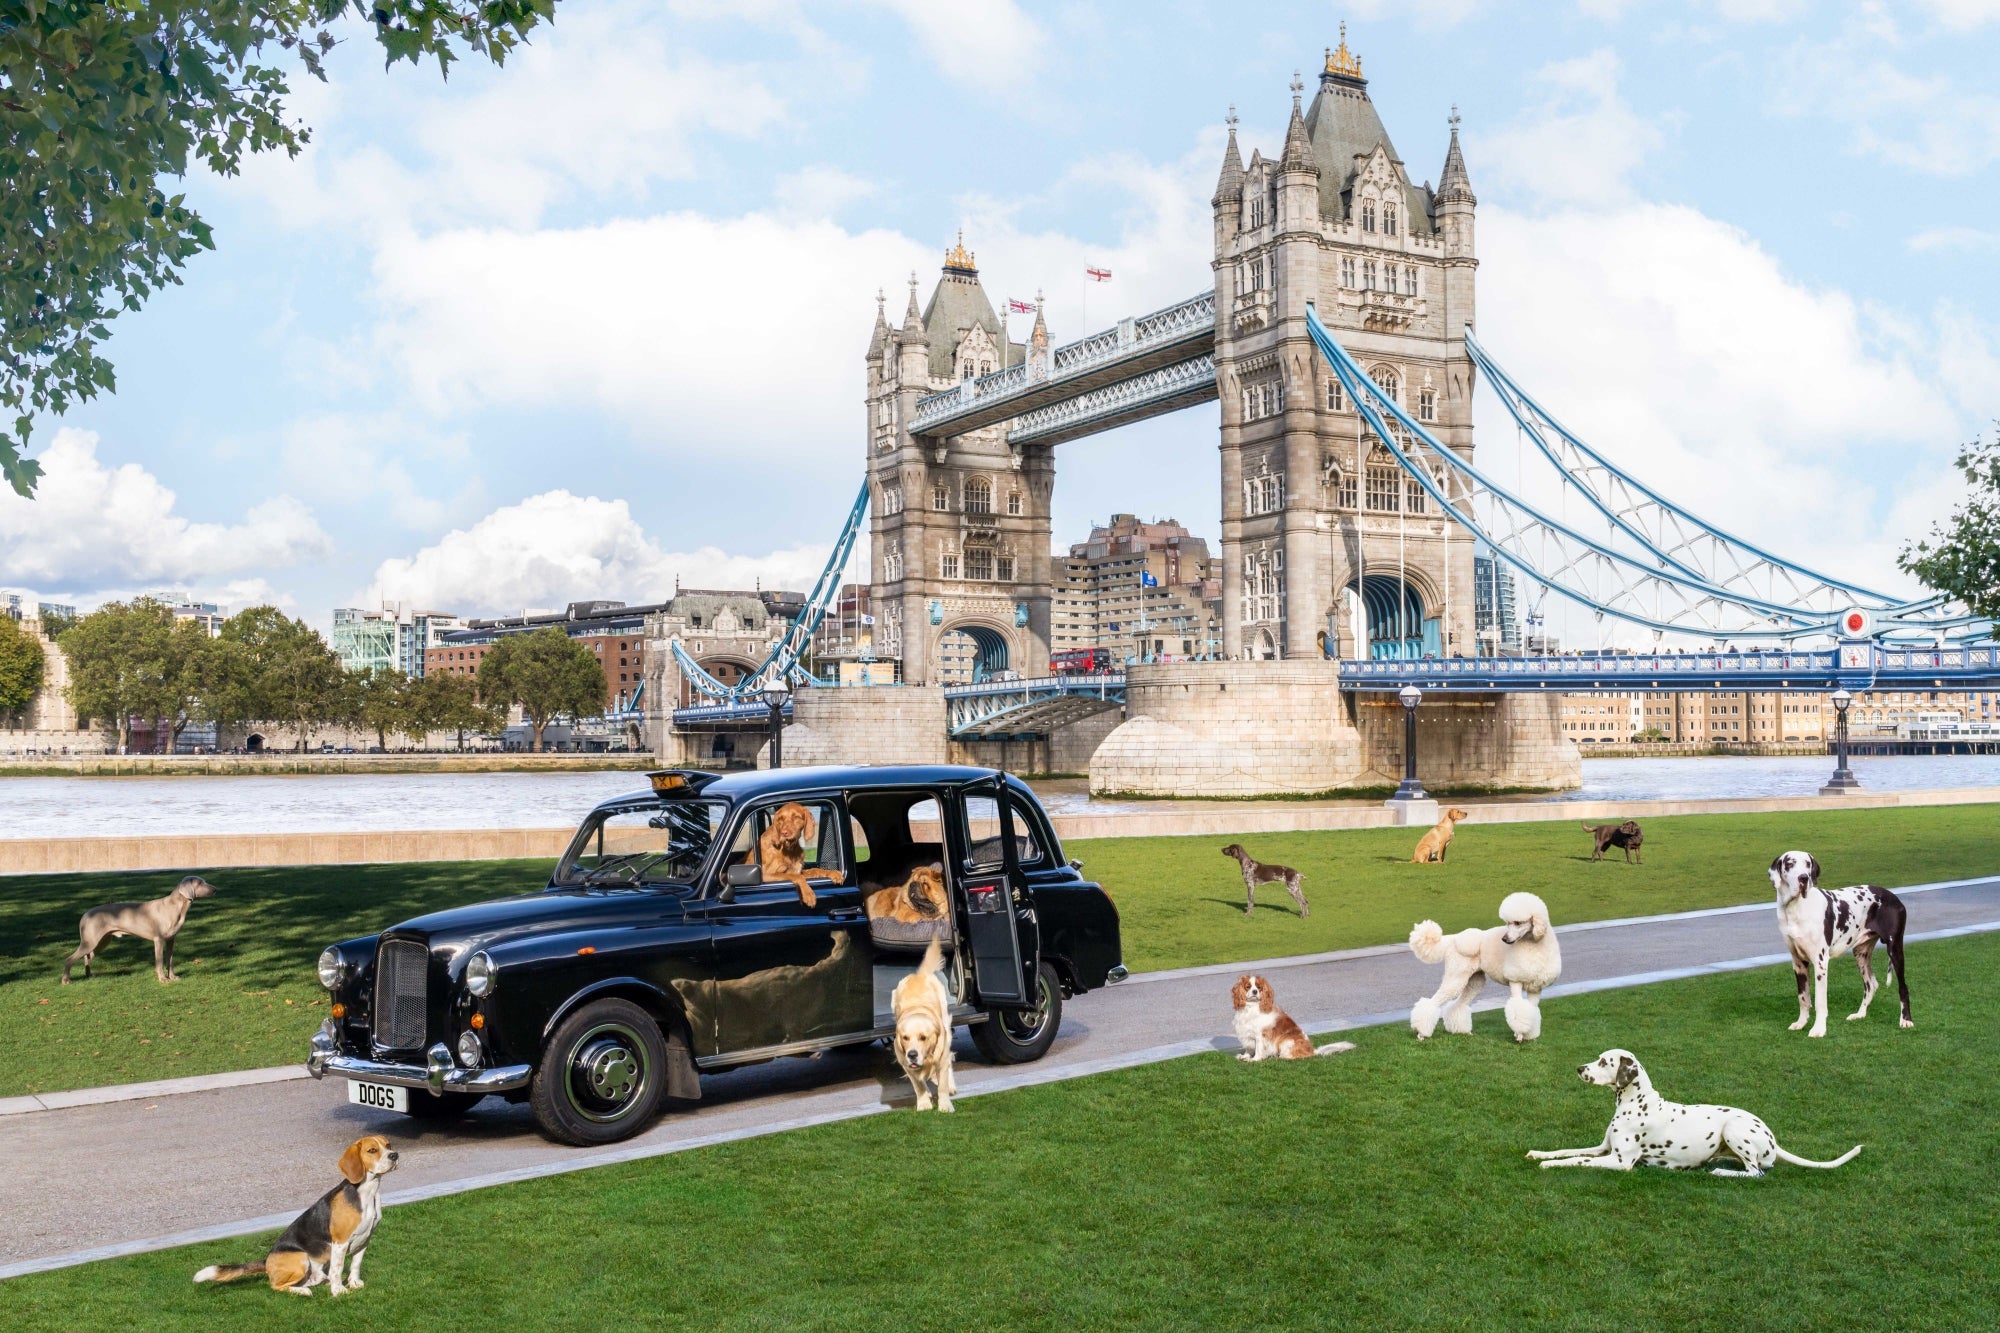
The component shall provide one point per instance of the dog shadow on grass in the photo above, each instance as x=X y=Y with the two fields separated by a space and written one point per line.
x=1236 y=905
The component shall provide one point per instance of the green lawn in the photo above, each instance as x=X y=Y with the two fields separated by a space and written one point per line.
x=248 y=998
x=1180 y=901
x=1381 y=1189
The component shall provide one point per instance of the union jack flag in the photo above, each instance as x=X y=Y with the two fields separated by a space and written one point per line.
x=1098 y=274
x=1020 y=307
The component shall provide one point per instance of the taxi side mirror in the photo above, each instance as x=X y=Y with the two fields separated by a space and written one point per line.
x=746 y=876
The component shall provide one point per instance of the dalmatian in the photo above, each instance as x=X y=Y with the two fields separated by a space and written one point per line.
x=1820 y=925
x=1649 y=1130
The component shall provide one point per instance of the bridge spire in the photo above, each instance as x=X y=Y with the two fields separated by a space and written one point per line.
x=1454 y=186
x=913 y=320
x=1298 y=144
x=1229 y=186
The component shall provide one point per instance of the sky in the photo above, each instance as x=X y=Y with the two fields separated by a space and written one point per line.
x=595 y=322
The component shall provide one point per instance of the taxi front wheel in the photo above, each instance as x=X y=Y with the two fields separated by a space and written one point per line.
x=602 y=1075
x=1018 y=1036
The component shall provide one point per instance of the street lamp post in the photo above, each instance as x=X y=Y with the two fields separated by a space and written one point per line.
x=1843 y=779
x=1211 y=638
x=776 y=694
x=1411 y=790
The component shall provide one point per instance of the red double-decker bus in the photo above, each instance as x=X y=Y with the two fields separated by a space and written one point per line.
x=1079 y=661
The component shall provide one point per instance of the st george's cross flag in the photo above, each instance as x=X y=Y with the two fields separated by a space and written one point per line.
x=1098 y=274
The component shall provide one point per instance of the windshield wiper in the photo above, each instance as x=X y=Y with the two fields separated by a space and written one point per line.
x=644 y=861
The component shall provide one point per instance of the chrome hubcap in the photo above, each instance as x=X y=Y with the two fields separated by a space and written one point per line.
x=1025 y=1025
x=607 y=1072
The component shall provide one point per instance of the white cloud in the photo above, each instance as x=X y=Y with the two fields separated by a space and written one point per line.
x=599 y=106
x=1427 y=15
x=1920 y=121
x=983 y=42
x=91 y=526
x=734 y=334
x=346 y=458
x=1962 y=15
x=1581 y=145
x=1955 y=238
x=556 y=548
x=819 y=192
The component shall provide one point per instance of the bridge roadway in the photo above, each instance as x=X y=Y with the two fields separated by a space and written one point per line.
x=239 y=1160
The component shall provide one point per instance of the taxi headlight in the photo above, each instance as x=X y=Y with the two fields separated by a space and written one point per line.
x=468 y=1048
x=480 y=974
x=331 y=965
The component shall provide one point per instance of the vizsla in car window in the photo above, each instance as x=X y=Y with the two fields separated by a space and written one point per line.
x=781 y=851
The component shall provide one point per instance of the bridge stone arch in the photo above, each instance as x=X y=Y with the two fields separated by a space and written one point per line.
x=972 y=649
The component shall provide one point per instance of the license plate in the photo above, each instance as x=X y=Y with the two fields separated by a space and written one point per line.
x=382 y=1096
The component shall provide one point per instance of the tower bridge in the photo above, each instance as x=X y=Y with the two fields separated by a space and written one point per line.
x=1336 y=335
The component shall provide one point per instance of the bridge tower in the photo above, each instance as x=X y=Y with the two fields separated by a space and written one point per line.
x=961 y=571
x=1326 y=545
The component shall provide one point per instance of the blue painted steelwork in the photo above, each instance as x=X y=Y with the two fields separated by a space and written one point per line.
x=1685 y=540
x=723 y=714
x=1855 y=665
x=1019 y=709
x=785 y=654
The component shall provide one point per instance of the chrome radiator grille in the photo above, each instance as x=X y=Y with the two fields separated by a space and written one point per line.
x=401 y=970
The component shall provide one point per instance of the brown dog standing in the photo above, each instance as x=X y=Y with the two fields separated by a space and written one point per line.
x=781 y=851
x=1432 y=846
x=1625 y=835
x=159 y=921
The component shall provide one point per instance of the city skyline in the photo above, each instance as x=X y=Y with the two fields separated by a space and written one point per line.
x=1756 y=201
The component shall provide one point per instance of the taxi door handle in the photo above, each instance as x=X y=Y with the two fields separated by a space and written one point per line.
x=844 y=914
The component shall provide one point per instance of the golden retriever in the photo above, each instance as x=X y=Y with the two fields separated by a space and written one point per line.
x=781 y=851
x=923 y=1030
x=919 y=898
x=1432 y=846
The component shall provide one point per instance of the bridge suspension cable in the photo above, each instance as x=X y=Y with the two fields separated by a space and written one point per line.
x=1677 y=537
x=1687 y=575
x=783 y=659
x=1549 y=551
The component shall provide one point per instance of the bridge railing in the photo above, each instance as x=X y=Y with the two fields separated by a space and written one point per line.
x=1127 y=338
x=1852 y=663
x=1077 y=683
x=1167 y=382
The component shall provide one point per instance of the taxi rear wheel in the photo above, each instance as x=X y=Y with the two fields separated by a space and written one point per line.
x=602 y=1075
x=1018 y=1036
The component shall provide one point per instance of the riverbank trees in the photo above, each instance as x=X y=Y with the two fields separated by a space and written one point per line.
x=20 y=668
x=547 y=673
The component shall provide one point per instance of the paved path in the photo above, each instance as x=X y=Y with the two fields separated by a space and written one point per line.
x=86 y=1181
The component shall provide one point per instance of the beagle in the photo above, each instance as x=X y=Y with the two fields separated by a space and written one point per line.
x=333 y=1233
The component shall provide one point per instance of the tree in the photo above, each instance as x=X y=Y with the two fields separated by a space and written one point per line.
x=100 y=103
x=123 y=663
x=451 y=703
x=282 y=672
x=383 y=701
x=546 y=672
x=1962 y=559
x=20 y=668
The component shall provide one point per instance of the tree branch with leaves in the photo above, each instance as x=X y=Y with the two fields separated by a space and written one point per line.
x=1961 y=558
x=105 y=107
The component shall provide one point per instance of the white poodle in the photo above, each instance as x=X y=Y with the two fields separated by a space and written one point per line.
x=1521 y=953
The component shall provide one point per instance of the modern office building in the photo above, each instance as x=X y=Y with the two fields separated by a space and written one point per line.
x=1496 y=624
x=1139 y=590
x=393 y=637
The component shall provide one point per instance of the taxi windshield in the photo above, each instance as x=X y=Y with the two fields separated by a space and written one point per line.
x=651 y=844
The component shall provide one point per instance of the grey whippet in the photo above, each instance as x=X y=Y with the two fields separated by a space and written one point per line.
x=159 y=921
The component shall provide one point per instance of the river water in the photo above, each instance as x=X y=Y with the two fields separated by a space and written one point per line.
x=106 y=807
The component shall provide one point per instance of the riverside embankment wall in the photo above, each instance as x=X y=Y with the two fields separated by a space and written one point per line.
x=23 y=856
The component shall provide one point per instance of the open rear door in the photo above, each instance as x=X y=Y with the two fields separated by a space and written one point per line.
x=1000 y=934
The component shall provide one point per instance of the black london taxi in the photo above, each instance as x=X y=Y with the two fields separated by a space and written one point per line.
x=656 y=952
